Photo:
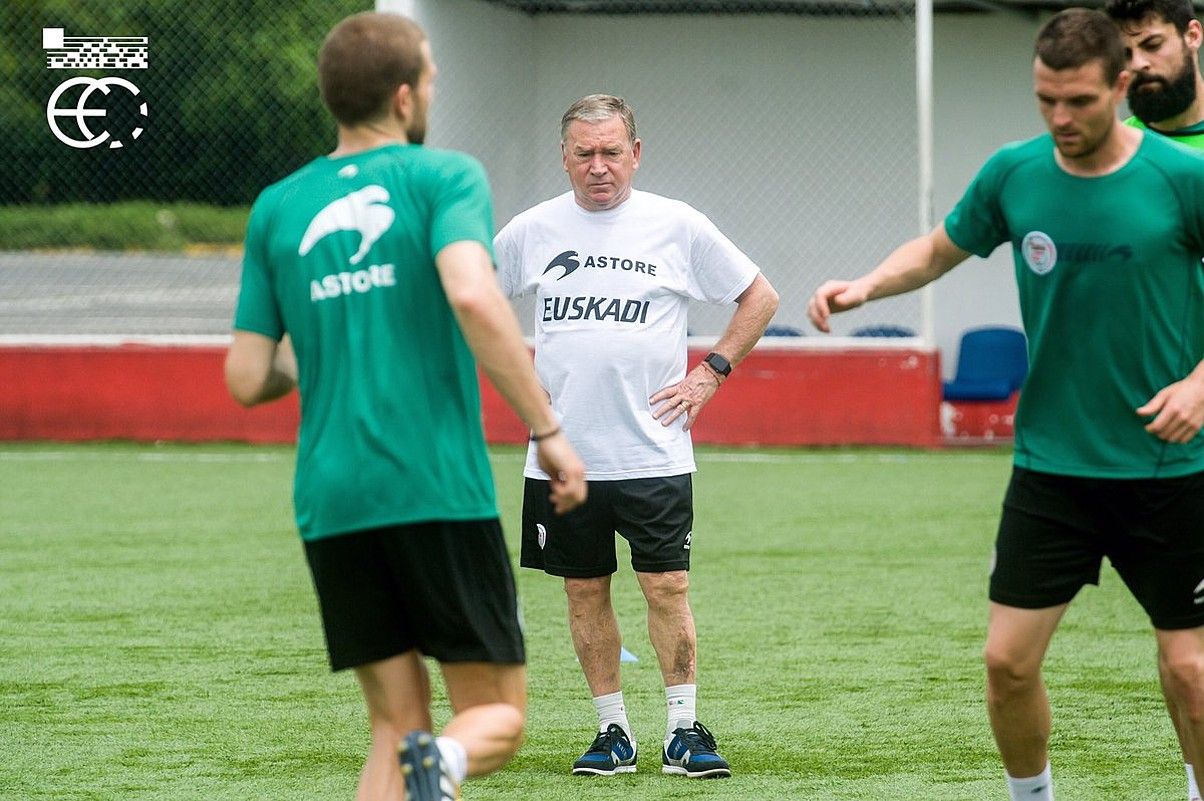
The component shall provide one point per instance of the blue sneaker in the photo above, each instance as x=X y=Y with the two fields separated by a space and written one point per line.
x=423 y=771
x=612 y=752
x=691 y=753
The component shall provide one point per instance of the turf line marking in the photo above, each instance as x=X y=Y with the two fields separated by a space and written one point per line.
x=185 y=458
x=752 y=457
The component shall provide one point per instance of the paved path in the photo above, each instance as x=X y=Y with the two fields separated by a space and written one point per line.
x=115 y=294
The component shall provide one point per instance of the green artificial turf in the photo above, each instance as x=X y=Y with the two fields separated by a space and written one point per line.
x=159 y=638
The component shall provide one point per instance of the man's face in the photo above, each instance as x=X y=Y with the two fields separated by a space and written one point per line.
x=424 y=93
x=600 y=161
x=1078 y=105
x=1163 y=63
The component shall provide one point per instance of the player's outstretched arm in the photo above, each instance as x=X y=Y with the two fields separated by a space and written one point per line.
x=493 y=335
x=910 y=266
x=755 y=307
x=260 y=369
x=1177 y=409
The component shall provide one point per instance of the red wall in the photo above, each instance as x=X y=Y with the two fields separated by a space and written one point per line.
x=149 y=392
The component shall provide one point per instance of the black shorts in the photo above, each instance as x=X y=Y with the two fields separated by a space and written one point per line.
x=1055 y=531
x=444 y=588
x=654 y=515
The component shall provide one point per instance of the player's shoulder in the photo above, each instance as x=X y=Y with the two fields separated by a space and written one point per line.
x=1156 y=146
x=441 y=166
x=1179 y=169
x=1032 y=158
x=443 y=159
x=298 y=183
x=1022 y=151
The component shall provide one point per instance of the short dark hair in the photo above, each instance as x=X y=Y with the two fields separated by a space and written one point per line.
x=1077 y=36
x=1177 y=12
x=364 y=60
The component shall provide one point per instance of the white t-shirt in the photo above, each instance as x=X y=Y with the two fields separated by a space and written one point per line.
x=612 y=290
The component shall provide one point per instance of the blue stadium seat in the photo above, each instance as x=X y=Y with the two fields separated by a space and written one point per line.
x=991 y=364
x=883 y=331
x=783 y=331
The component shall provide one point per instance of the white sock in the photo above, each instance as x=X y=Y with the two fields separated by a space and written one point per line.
x=683 y=702
x=1193 y=789
x=612 y=710
x=1037 y=788
x=453 y=755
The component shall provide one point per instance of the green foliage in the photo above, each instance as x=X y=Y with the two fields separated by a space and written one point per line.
x=137 y=225
x=231 y=93
x=161 y=639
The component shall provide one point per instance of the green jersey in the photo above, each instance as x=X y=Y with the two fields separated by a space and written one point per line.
x=1111 y=296
x=1192 y=136
x=341 y=256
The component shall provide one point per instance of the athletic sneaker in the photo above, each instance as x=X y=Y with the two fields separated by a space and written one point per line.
x=691 y=753
x=425 y=778
x=611 y=753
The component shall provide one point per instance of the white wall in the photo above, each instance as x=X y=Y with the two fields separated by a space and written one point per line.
x=735 y=115
x=983 y=98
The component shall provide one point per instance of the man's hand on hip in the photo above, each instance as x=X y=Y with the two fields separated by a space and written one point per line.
x=685 y=398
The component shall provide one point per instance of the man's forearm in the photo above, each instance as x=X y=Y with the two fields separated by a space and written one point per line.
x=754 y=309
x=493 y=335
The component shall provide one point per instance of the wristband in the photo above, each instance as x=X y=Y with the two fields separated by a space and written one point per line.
x=542 y=437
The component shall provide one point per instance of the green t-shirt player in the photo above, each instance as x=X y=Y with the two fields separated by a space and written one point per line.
x=375 y=262
x=1108 y=457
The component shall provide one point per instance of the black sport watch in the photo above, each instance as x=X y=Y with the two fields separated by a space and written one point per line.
x=718 y=363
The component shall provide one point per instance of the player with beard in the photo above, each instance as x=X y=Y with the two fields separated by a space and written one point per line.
x=1162 y=38
x=1106 y=226
x=375 y=261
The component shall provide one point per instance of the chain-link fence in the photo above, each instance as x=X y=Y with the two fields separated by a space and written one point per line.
x=791 y=124
x=189 y=105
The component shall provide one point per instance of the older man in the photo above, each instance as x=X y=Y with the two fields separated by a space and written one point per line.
x=613 y=270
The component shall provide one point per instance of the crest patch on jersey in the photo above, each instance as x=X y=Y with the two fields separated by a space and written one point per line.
x=1039 y=251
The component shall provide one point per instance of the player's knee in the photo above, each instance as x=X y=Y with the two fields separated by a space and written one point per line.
x=587 y=593
x=1008 y=675
x=667 y=589
x=511 y=724
x=1184 y=675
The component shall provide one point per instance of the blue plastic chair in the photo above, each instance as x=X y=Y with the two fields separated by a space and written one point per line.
x=991 y=364
x=883 y=331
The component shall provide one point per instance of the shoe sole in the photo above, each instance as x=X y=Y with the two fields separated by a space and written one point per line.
x=713 y=773
x=417 y=754
x=602 y=772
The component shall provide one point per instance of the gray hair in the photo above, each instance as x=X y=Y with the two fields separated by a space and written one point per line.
x=598 y=108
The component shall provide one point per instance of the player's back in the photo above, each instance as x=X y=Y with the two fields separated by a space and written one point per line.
x=390 y=429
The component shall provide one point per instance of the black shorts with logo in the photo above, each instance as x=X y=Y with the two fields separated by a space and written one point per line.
x=1055 y=531
x=654 y=515
x=444 y=588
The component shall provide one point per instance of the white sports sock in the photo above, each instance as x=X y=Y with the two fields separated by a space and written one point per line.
x=683 y=702
x=453 y=755
x=1193 y=789
x=612 y=710
x=1037 y=788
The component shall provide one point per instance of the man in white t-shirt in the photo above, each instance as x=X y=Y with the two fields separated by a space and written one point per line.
x=613 y=271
